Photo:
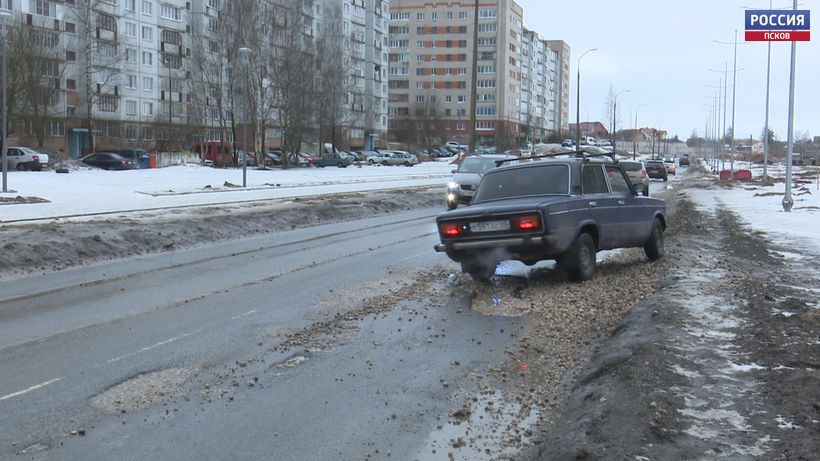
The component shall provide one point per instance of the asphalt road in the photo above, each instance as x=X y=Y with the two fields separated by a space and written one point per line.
x=191 y=354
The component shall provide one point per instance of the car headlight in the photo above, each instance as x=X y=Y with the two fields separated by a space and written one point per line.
x=452 y=185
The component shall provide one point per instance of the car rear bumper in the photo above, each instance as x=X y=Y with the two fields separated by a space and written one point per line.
x=510 y=242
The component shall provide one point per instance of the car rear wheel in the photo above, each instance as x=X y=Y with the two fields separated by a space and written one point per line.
x=479 y=272
x=384 y=163
x=340 y=165
x=579 y=261
x=21 y=167
x=654 y=246
x=406 y=163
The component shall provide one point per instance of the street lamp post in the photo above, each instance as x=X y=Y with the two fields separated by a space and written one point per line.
x=5 y=18
x=614 y=117
x=578 y=102
x=244 y=53
x=635 y=136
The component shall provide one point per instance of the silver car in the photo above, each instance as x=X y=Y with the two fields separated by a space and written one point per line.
x=393 y=158
x=637 y=174
x=465 y=179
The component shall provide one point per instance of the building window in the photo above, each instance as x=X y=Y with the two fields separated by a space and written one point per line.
x=147 y=109
x=108 y=104
x=43 y=8
x=487 y=14
x=132 y=81
x=147 y=58
x=131 y=132
x=70 y=56
x=420 y=16
x=170 y=12
x=131 y=55
x=71 y=84
x=70 y=27
x=131 y=5
x=131 y=107
x=147 y=34
x=147 y=84
x=130 y=29
x=147 y=8
x=55 y=128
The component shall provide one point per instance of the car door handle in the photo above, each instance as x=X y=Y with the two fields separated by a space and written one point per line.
x=621 y=202
x=593 y=204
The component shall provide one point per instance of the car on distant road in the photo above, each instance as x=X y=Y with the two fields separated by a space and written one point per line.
x=24 y=158
x=567 y=143
x=684 y=161
x=108 y=160
x=656 y=169
x=462 y=185
x=670 y=165
x=637 y=174
x=563 y=209
x=333 y=160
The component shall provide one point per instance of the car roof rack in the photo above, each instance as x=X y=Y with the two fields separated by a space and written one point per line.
x=584 y=154
x=516 y=159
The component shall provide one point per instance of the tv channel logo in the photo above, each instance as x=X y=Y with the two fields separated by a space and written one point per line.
x=778 y=25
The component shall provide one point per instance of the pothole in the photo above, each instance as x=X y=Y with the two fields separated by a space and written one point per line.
x=141 y=391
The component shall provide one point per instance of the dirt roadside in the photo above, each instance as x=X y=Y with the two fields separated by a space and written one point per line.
x=721 y=362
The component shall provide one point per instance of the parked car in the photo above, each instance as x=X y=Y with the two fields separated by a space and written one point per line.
x=241 y=157
x=333 y=160
x=563 y=209
x=441 y=152
x=302 y=159
x=567 y=143
x=637 y=175
x=24 y=158
x=466 y=177
x=273 y=157
x=386 y=158
x=455 y=145
x=656 y=169
x=140 y=157
x=684 y=161
x=108 y=160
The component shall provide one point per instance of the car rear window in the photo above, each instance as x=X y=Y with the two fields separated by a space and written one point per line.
x=655 y=163
x=631 y=166
x=522 y=182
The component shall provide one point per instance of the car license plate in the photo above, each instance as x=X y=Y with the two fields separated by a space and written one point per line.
x=489 y=226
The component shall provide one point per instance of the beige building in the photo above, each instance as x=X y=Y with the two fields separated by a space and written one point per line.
x=430 y=66
x=562 y=78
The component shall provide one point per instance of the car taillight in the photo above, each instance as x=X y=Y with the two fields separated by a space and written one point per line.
x=527 y=223
x=451 y=229
x=643 y=173
x=36 y=158
x=122 y=161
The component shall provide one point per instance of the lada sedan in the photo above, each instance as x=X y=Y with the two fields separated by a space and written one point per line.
x=563 y=209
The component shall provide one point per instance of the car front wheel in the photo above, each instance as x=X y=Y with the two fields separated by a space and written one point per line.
x=579 y=261
x=654 y=246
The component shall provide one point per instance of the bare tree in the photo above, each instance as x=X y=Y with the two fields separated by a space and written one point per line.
x=334 y=79
x=293 y=68
x=101 y=57
x=37 y=70
x=427 y=123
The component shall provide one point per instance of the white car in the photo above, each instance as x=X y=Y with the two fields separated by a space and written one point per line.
x=24 y=158
x=393 y=158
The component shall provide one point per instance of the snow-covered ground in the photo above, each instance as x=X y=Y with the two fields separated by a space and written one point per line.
x=86 y=191
x=761 y=206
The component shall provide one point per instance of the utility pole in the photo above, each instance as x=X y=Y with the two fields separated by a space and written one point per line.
x=788 y=202
x=734 y=90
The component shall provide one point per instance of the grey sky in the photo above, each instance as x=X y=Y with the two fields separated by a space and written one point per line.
x=662 y=51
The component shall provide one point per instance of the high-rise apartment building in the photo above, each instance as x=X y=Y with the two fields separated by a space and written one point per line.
x=156 y=74
x=431 y=55
x=519 y=79
x=561 y=50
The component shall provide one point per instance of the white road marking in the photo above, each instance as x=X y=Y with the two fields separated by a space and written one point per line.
x=32 y=388
x=235 y=317
x=148 y=348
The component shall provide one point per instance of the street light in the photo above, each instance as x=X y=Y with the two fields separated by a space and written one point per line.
x=635 y=136
x=578 y=102
x=614 y=116
x=5 y=19
x=244 y=54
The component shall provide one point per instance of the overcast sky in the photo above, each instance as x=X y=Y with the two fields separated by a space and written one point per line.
x=662 y=50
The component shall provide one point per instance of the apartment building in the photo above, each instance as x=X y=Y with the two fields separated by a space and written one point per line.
x=561 y=50
x=538 y=88
x=160 y=73
x=431 y=56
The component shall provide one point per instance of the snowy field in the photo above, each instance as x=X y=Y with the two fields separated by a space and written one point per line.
x=86 y=191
